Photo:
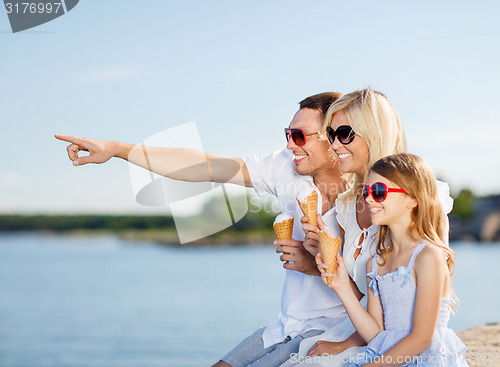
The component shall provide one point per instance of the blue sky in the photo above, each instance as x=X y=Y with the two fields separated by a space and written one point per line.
x=118 y=70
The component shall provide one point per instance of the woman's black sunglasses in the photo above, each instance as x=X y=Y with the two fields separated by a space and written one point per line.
x=344 y=133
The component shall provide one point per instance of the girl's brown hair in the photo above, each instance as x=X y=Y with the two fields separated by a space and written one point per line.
x=428 y=219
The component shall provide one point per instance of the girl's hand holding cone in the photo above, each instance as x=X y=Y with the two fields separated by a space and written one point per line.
x=339 y=280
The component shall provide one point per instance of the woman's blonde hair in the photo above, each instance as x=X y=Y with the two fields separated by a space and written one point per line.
x=372 y=117
x=428 y=219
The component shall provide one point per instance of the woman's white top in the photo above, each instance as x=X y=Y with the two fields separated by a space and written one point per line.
x=355 y=238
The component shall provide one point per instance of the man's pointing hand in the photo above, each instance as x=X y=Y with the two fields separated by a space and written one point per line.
x=100 y=151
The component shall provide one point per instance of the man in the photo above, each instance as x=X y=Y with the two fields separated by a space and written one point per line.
x=308 y=306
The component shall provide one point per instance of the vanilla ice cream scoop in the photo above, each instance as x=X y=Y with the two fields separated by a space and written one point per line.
x=282 y=217
x=305 y=192
x=308 y=202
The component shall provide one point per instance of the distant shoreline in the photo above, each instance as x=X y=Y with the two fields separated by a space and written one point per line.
x=226 y=238
x=255 y=227
x=169 y=237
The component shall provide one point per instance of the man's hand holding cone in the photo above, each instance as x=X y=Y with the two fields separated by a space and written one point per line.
x=308 y=202
x=283 y=227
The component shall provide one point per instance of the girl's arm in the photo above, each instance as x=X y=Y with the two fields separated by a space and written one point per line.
x=431 y=274
x=368 y=324
x=374 y=304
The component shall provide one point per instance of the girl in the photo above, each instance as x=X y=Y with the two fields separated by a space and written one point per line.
x=408 y=279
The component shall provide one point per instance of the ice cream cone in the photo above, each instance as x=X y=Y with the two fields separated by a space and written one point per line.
x=284 y=228
x=329 y=247
x=309 y=206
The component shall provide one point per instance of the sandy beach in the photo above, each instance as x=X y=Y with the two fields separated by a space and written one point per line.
x=483 y=343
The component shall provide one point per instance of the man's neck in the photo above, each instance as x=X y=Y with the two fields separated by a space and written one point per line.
x=330 y=185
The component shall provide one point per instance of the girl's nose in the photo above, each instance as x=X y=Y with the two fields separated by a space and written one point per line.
x=369 y=199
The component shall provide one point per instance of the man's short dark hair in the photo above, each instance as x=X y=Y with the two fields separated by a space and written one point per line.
x=320 y=102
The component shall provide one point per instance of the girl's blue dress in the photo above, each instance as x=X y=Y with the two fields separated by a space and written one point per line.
x=397 y=291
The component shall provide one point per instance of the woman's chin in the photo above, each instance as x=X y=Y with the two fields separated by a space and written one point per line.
x=344 y=167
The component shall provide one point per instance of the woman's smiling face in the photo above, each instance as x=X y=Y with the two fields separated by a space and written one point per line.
x=353 y=157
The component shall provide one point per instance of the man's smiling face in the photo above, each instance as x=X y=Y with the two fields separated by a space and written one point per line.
x=313 y=156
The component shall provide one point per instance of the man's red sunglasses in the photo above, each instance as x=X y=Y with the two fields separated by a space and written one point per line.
x=298 y=136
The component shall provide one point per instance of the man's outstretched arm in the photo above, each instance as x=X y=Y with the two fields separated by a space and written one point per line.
x=176 y=163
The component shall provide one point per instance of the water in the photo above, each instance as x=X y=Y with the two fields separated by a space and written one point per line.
x=103 y=302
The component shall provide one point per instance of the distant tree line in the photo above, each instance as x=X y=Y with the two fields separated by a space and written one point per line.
x=463 y=207
x=473 y=218
x=254 y=219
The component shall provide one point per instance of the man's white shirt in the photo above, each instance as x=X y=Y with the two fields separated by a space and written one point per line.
x=306 y=302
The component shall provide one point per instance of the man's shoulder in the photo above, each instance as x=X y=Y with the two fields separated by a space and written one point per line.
x=281 y=156
x=276 y=172
x=278 y=164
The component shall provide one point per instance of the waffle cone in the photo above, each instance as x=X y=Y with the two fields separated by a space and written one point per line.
x=284 y=229
x=329 y=248
x=310 y=207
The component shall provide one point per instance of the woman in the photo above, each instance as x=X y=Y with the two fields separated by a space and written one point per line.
x=362 y=127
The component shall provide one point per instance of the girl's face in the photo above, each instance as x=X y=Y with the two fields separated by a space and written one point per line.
x=353 y=157
x=395 y=209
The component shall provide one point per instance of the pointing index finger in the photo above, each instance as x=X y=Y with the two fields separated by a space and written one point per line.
x=69 y=138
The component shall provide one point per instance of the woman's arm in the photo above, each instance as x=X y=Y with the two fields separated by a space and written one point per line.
x=322 y=347
x=431 y=274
